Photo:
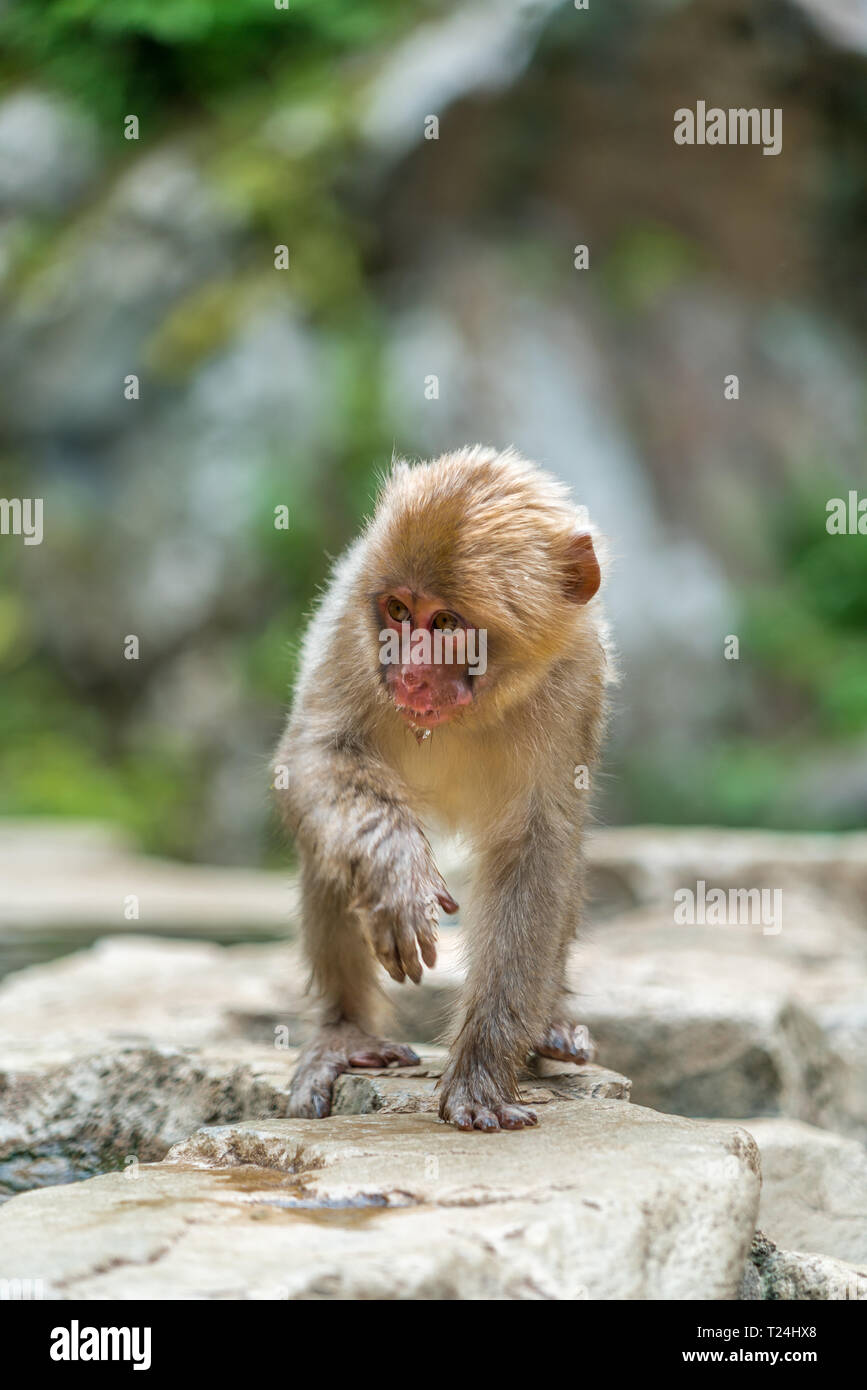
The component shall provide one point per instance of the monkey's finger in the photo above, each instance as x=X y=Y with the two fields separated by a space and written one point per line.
x=425 y=924
x=427 y=944
x=379 y=928
x=406 y=945
x=387 y=956
x=447 y=902
x=365 y=1059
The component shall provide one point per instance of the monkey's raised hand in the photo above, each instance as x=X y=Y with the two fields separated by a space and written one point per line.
x=399 y=910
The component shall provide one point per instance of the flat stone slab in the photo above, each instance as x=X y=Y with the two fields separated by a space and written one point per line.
x=146 y=990
x=602 y=1200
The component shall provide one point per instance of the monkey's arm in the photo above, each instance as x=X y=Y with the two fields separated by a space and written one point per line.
x=356 y=832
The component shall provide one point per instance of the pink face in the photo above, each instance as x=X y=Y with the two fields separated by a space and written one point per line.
x=426 y=693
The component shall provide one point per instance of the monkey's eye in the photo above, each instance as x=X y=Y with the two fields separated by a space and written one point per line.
x=446 y=622
x=397 y=611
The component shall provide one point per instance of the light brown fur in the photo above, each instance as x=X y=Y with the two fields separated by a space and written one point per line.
x=494 y=537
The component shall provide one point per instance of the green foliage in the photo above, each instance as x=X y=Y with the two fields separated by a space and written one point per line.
x=56 y=759
x=809 y=629
x=804 y=647
x=149 y=56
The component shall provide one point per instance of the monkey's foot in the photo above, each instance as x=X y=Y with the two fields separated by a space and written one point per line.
x=501 y=1115
x=567 y=1042
x=333 y=1051
x=469 y=1106
x=376 y=1052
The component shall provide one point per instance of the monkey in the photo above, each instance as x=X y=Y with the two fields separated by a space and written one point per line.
x=476 y=572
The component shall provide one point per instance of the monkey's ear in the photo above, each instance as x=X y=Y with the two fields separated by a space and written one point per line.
x=582 y=569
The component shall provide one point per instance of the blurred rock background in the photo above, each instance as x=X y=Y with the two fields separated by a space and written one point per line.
x=411 y=257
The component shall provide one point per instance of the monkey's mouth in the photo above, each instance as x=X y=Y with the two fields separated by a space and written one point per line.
x=425 y=703
x=426 y=718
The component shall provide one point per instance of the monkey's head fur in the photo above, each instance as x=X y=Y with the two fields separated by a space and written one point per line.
x=486 y=541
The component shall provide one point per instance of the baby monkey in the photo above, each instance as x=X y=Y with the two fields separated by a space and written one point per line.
x=451 y=676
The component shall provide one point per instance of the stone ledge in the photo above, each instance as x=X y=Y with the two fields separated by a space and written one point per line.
x=603 y=1200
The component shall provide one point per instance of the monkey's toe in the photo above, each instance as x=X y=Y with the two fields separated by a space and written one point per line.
x=312 y=1087
x=490 y=1118
x=310 y=1101
x=378 y=1053
x=516 y=1117
x=567 y=1042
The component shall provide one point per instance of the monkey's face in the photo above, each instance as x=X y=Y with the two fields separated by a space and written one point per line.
x=428 y=653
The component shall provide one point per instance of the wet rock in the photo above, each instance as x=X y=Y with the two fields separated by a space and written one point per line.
x=61 y=1122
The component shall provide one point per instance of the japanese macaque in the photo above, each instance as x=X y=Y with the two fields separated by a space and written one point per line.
x=453 y=675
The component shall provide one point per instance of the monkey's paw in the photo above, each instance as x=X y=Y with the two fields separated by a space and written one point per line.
x=332 y=1052
x=403 y=922
x=567 y=1042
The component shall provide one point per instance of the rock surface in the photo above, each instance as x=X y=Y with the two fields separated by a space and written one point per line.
x=68 y=1119
x=62 y=1121
x=645 y=864
x=147 y=990
x=113 y=1054
x=729 y=1021
x=773 y=1275
x=603 y=1200
x=120 y=1051
x=814 y=1189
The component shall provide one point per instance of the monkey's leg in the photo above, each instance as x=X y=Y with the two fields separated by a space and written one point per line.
x=564 y=1039
x=512 y=980
x=344 y=969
